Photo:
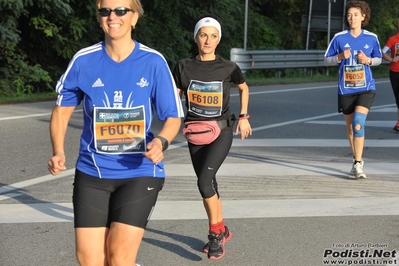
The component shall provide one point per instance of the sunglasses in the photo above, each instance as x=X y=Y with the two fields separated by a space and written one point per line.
x=119 y=11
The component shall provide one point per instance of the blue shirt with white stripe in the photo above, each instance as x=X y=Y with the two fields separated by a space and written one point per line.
x=142 y=80
x=367 y=42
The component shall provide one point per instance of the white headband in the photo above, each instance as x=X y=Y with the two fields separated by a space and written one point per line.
x=208 y=22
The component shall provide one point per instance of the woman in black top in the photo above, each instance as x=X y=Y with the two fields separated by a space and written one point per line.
x=205 y=81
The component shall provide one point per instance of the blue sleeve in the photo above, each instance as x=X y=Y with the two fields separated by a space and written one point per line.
x=333 y=48
x=377 y=49
x=166 y=100
x=67 y=87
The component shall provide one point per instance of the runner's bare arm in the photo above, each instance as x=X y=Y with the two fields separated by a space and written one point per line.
x=169 y=131
x=243 y=125
x=58 y=127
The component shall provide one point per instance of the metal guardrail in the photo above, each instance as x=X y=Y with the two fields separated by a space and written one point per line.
x=278 y=59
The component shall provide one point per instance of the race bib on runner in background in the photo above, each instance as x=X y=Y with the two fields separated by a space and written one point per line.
x=205 y=98
x=119 y=131
x=354 y=76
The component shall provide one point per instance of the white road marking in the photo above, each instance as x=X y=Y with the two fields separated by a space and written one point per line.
x=387 y=124
x=23 y=116
x=31 y=115
x=285 y=168
x=166 y=210
x=35 y=181
x=231 y=95
x=236 y=143
x=306 y=120
x=61 y=212
x=190 y=210
x=386 y=143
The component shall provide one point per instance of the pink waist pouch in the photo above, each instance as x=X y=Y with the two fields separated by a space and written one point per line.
x=201 y=132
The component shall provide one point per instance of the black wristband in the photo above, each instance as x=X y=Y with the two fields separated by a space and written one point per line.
x=165 y=142
x=243 y=115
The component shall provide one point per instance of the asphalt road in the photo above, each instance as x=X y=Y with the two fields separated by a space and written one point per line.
x=287 y=195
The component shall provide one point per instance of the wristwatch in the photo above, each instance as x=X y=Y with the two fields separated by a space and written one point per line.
x=165 y=142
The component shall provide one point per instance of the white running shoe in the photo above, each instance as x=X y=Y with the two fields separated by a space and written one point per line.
x=359 y=171
x=353 y=170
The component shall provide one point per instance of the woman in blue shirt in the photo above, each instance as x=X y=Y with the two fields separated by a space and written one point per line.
x=355 y=50
x=119 y=172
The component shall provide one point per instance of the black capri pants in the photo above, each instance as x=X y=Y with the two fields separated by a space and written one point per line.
x=207 y=159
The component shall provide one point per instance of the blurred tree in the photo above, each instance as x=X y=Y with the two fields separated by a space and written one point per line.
x=168 y=26
x=38 y=38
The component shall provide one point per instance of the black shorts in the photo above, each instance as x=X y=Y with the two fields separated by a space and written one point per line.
x=347 y=103
x=99 y=202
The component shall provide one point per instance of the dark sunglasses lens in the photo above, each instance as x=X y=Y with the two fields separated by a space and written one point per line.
x=104 y=12
x=121 y=11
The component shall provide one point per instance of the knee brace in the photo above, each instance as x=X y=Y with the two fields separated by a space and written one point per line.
x=359 y=119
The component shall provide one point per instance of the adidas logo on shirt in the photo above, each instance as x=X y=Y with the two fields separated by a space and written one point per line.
x=97 y=83
x=347 y=45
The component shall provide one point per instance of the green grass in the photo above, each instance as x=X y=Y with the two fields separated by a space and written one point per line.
x=37 y=97
x=296 y=76
x=287 y=80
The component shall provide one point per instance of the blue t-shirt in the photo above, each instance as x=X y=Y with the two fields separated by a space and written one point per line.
x=119 y=100
x=353 y=76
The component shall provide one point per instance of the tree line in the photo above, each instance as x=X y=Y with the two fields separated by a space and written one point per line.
x=39 y=37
